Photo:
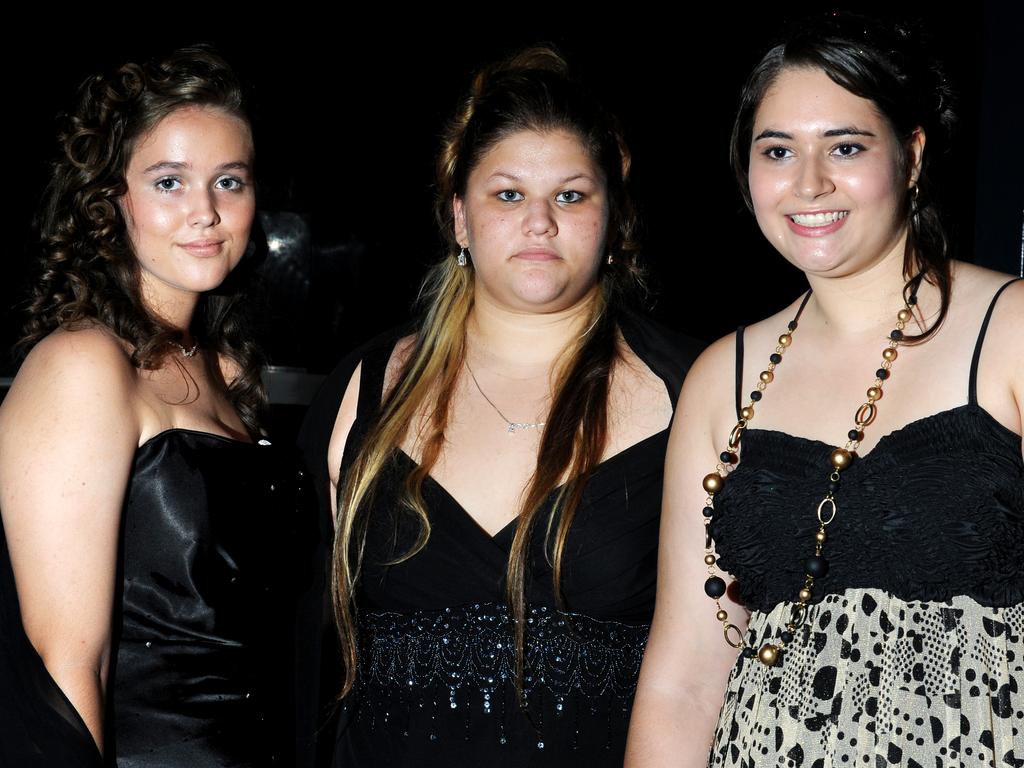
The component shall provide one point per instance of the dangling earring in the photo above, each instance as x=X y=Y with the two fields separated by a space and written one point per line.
x=916 y=224
x=461 y=259
x=611 y=258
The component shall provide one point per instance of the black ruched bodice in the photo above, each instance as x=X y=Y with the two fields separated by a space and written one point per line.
x=911 y=651
x=437 y=665
x=936 y=509
x=215 y=547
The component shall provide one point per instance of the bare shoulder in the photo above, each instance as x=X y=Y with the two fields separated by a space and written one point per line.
x=1001 y=364
x=348 y=409
x=68 y=431
x=974 y=288
x=87 y=368
x=762 y=337
x=976 y=285
x=705 y=403
x=89 y=347
x=343 y=422
x=714 y=364
x=399 y=357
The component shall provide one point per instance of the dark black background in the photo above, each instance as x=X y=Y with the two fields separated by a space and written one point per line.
x=347 y=119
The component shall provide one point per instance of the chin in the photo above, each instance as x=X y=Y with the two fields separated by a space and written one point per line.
x=817 y=261
x=209 y=279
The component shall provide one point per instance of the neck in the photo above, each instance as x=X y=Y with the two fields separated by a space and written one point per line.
x=175 y=308
x=854 y=304
x=523 y=342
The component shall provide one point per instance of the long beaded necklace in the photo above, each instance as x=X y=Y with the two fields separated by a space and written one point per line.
x=816 y=566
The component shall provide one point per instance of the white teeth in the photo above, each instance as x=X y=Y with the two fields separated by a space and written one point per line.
x=818 y=219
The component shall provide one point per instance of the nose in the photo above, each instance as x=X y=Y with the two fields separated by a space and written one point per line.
x=539 y=219
x=202 y=209
x=813 y=179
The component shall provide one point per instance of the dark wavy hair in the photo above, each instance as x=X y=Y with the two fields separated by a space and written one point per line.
x=532 y=91
x=888 y=64
x=88 y=269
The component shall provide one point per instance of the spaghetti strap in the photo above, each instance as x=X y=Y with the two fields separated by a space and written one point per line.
x=739 y=369
x=972 y=390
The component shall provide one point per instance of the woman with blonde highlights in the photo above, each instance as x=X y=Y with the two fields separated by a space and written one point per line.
x=497 y=472
x=150 y=555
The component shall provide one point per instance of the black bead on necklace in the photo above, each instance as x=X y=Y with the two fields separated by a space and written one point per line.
x=816 y=566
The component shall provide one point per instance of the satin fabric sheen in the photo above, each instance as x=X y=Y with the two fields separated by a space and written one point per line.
x=216 y=546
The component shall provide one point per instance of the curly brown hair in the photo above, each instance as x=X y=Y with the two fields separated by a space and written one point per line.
x=88 y=270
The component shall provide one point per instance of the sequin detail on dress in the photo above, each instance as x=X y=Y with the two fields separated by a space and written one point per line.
x=463 y=657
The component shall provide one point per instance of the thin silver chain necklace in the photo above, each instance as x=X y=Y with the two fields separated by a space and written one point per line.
x=513 y=426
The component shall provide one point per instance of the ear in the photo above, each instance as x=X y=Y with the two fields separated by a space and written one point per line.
x=915 y=155
x=459 y=212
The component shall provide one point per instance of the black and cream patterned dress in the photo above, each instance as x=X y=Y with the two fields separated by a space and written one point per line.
x=913 y=653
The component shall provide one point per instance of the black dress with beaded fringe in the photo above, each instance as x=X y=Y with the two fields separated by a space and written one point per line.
x=437 y=661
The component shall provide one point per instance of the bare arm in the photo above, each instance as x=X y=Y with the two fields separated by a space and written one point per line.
x=1007 y=340
x=686 y=665
x=1001 y=368
x=68 y=432
x=339 y=436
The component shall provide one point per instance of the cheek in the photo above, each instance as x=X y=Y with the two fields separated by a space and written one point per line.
x=488 y=231
x=877 y=186
x=592 y=231
x=150 y=219
x=240 y=215
x=765 y=193
x=766 y=189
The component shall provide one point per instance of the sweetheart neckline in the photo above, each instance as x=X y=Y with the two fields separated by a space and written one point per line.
x=893 y=434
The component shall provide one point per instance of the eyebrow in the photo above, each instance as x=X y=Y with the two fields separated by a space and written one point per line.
x=846 y=131
x=167 y=165
x=516 y=179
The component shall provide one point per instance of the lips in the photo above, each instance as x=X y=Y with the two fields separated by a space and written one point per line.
x=536 y=254
x=816 y=223
x=202 y=247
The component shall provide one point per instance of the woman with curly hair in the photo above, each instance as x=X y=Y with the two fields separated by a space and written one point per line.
x=142 y=513
x=497 y=472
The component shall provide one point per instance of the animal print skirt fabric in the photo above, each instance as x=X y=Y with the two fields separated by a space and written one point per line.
x=872 y=680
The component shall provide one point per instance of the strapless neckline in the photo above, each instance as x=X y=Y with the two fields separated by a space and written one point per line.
x=924 y=424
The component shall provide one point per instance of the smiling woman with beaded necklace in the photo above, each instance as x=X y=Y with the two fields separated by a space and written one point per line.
x=874 y=522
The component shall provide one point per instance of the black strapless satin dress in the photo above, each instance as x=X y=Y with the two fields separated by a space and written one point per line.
x=216 y=547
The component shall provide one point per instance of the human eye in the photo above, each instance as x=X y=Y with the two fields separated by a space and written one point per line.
x=167 y=184
x=847 y=150
x=510 y=196
x=230 y=183
x=569 y=196
x=777 y=153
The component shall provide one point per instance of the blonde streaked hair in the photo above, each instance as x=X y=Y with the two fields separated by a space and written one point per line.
x=530 y=91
